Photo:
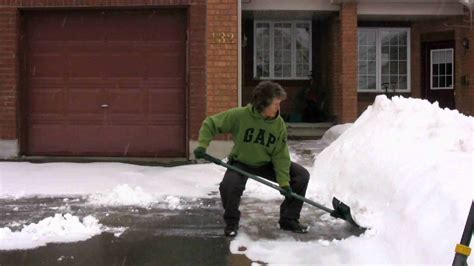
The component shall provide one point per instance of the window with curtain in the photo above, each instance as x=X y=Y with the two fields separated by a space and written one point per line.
x=282 y=49
x=383 y=59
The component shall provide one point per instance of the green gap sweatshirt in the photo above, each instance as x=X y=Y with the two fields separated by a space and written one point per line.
x=256 y=141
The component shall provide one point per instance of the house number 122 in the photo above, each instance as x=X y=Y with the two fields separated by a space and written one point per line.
x=222 y=37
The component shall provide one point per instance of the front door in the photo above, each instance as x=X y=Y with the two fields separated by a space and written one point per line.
x=438 y=73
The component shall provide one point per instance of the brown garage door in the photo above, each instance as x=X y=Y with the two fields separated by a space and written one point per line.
x=106 y=83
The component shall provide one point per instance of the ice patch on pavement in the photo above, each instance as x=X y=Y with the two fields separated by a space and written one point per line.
x=117 y=231
x=58 y=228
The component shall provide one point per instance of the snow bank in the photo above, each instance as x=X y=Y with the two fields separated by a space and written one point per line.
x=67 y=228
x=123 y=195
x=334 y=132
x=406 y=168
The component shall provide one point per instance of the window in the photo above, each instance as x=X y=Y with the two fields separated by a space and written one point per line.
x=384 y=59
x=282 y=49
x=442 y=69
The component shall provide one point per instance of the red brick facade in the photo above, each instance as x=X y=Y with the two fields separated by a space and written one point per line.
x=222 y=50
x=8 y=73
x=222 y=55
x=348 y=78
x=343 y=73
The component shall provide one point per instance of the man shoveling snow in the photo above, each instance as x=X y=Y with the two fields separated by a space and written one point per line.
x=260 y=138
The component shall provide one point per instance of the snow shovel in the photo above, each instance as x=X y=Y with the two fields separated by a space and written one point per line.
x=341 y=210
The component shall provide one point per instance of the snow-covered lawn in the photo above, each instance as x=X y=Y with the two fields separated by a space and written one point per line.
x=406 y=168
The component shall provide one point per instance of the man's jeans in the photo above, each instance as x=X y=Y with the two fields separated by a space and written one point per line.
x=233 y=185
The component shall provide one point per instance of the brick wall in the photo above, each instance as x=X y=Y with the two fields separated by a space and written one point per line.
x=222 y=48
x=10 y=103
x=222 y=55
x=8 y=73
x=348 y=40
x=343 y=73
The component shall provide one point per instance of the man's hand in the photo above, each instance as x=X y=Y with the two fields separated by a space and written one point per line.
x=287 y=191
x=199 y=152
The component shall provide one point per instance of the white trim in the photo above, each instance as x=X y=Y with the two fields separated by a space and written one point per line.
x=272 y=49
x=378 y=58
x=452 y=69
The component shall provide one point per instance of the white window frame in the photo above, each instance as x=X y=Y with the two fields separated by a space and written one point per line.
x=452 y=69
x=272 y=51
x=378 y=59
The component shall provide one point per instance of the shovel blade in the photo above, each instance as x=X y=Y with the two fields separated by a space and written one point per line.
x=342 y=211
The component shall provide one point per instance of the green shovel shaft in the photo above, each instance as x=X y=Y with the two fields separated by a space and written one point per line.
x=266 y=182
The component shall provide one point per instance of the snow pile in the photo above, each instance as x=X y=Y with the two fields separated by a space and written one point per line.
x=123 y=195
x=59 y=228
x=334 y=132
x=406 y=168
x=173 y=203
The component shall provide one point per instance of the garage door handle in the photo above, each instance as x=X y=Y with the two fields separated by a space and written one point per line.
x=104 y=106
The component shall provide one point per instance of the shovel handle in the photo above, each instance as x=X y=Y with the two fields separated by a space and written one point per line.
x=265 y=182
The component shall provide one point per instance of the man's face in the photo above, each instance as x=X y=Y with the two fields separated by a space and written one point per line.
x=272 y=110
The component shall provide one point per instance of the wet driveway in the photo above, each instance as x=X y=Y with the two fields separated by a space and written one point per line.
x=158 y=235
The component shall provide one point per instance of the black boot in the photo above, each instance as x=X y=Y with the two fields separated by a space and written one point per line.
x=231 y=230
x=294 y=226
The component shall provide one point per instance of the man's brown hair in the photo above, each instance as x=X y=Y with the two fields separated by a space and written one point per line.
x=265 y=92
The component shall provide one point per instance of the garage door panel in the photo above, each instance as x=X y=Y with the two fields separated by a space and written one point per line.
x=47 y=101
x=167 y=100
x=84 y=137
x=163 y=46
x=168 y=65
x=174 y=26
x=106 y=83
x=169 y=139
x=40 y=139
x=46 y=65
x=84 y=101
x=125 y=101
x=85 y=65
x=120 y=29
x=124 y=64
x=45 y=47
x=65 y=26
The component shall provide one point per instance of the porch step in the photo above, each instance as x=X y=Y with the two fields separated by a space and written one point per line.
x=307 y=130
